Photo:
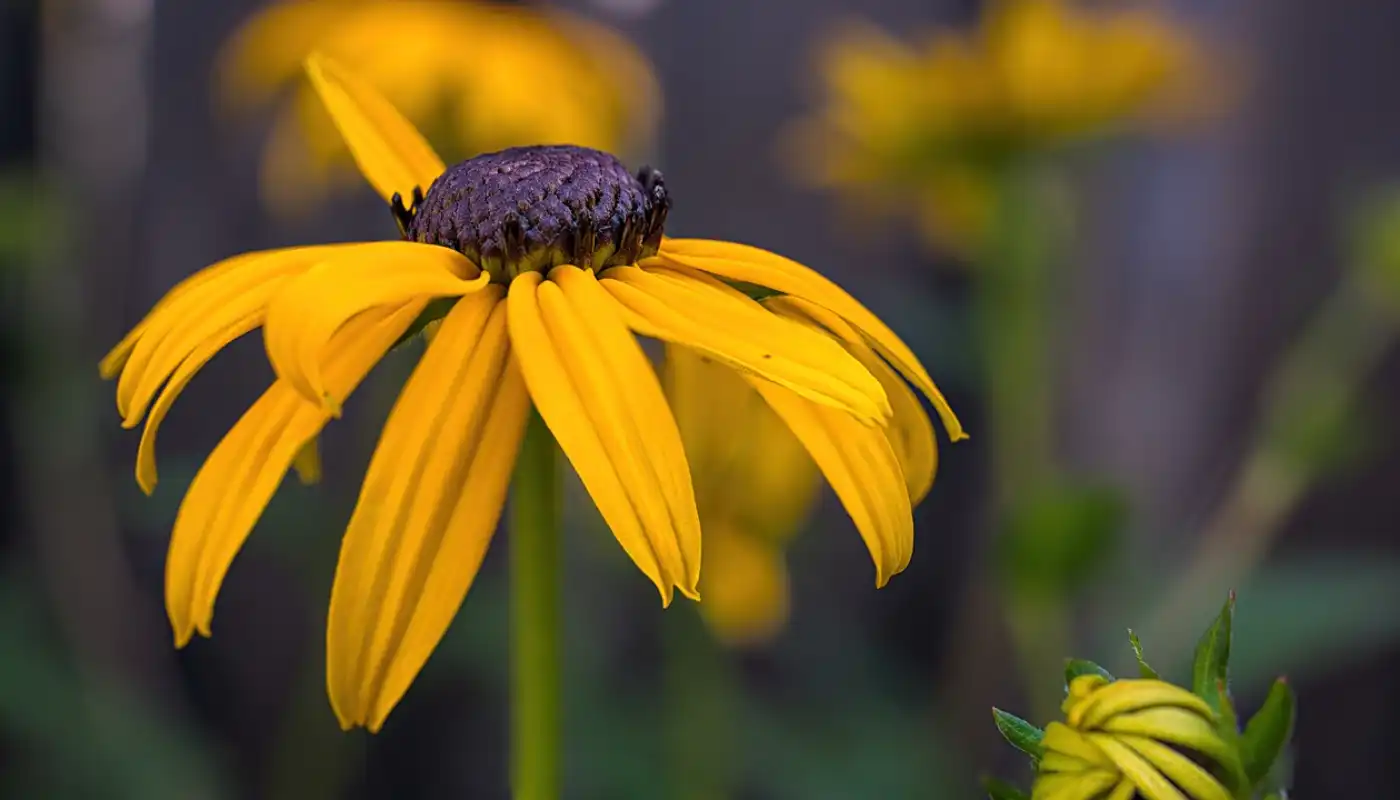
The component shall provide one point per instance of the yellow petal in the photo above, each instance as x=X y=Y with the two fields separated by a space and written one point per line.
x=393 y=156
x=228 y=294
x=1185 y=773
x=861 y=467
x=910 y=431
x=750 y=264
x=588 y=422
x=590 y=325
x=307 y=312
x=1151 y=784
x=1061 y=738
x=429 y=506
x=745 y=584
x=1073 y=785
x=235 y=483
x=732 y=328
x=1175 y=725
x=1125 y=790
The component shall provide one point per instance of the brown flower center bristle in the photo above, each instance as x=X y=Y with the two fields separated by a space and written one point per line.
x=534 y=208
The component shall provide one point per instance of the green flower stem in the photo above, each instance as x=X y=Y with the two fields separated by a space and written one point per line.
x=535 y=618
x=702 y=720
x=1309 y=406
x=1014 y=305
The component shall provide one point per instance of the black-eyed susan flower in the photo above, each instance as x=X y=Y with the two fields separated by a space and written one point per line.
x=1135 y=738
x=549 y=260
x=587 y=85
x=914 y=128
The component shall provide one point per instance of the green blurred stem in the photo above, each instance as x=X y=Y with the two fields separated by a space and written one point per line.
x=700 y=708
x=535 y=618
x=1013 y=304
x=1307 y=406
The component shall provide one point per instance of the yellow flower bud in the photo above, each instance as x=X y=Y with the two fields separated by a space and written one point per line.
x=1133 y=738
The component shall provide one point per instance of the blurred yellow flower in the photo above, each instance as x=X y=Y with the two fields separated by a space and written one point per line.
x=476 y=76
x=918 y=126
x=754 y=486
x=1134 y=738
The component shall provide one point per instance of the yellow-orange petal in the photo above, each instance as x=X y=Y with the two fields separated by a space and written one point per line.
x=430 y=503
x=240 y=476
x=308 y=311
x=723 y=323
x=391 y=153
x=753 y=265
x=861 y=467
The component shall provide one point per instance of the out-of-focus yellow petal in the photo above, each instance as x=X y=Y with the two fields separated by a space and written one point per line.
x=745 y=585
x=910 y=430
x=1151 y=783
x=750 y=472
x=861 y=467
x=306 y=313
x=731 y=327
x=235 y=483
x=391 y=153
x=1182 y=771
x=595 y=425
x=751 y=265
x=429 y=506
x=1073 y=785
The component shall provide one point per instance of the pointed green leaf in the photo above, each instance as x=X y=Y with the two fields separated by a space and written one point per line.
x=1021 y=734
x=1228 y=726
x=998 y=789
x=1074 y=667
x=1143 y=669
x=1268 y=731
x=1211 y=670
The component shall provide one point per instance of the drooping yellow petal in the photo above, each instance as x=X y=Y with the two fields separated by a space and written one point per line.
x=235 y=483
x=429 y=506
x=861 y=467
x=723 y=323
x=307 y=312
x=231 y=293
x=590 y=428
x=1073 y=785
x=393 y=156
x=592 y=327
x=752 y=265
x=910 y=430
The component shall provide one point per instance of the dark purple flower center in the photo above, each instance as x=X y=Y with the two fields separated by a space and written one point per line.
x=534 y=208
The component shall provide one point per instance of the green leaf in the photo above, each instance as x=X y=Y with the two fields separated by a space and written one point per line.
x=1210 y=674
x=1268 y=731
x=1021 y=734
x=1074 y=667
x=1143 y=669
x=998 y=789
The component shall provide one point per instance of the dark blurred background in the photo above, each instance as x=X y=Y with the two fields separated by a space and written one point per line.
x=1195 y=262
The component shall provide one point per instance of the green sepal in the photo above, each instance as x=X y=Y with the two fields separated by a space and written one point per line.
x=436 y=309
x=1228 y=726
x=1020 y=734
x=1210 y=674
x=998 y=789
x=1144 y=670
x=1268 y=731
x=1075 y=667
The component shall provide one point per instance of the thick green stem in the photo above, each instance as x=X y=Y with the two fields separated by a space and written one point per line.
x=702 y=721
x=535 y=618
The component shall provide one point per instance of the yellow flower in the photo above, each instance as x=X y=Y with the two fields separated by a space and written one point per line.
x=754 y=486
x=1134 y=738
x=548 y=260
x=916 y=127
x=478 y=76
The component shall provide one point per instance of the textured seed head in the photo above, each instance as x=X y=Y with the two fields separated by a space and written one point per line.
x=534 y=208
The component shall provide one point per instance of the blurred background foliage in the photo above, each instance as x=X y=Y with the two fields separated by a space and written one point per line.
x=1149 y=251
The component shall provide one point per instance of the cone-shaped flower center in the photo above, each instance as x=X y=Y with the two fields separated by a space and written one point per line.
x=535 y=208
